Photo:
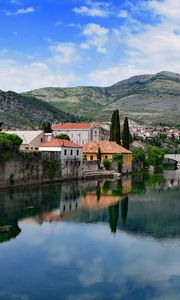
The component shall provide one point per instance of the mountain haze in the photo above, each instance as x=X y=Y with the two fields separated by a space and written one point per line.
x=146 y=98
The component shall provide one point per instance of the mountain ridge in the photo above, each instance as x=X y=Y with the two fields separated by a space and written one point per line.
x=147 y=98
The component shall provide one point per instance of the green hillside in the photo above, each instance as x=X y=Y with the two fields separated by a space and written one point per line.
x=144 y=98
x=17 y=111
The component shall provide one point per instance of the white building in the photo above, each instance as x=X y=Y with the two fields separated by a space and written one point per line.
x=67 y=150
x=31 y=139
x=79 y=133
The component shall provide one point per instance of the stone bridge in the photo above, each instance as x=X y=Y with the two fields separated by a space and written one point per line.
x=175 y=157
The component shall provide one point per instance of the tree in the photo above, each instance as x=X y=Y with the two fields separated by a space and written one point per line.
x=9 y=144
x=138 y=155
x=115 y=134
x=118 y=158
x=155 y=156
x=126 y=134
x=112 y=126
x=99 y=154
x=47 y=128
x=63 y=136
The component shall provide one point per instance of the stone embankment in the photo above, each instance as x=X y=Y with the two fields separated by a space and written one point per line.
x=36 y=168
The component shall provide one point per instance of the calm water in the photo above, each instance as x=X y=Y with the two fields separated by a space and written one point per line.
x=92 y=240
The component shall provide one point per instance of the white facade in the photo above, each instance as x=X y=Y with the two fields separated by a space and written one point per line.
x=66 y=152
x=80 y=136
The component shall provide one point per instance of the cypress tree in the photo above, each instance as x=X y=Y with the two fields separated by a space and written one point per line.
x=112 y=126
x=99 y=154
x=126 y=134
x=117 y=134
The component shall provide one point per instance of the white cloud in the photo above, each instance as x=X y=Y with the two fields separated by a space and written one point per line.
x=123 y=14
x=94 y=9
x=167 y=8
x=20 y=77
x=147 y=48
x=97 y=36
x=20 y=11
x=64 y=53
x=16 y=2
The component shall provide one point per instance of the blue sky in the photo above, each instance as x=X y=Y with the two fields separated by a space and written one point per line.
x=85 y=42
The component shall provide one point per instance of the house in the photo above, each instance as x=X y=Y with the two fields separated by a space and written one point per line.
x=79 y=133
x=67 y=150
x=108 y=149
x=31 y=139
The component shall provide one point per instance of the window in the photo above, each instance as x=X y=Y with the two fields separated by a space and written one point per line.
x=91 y=157
x=71 y=152
x=65 y=152
x=77 y=152
x=41 y=140
x=27 y=148
x=106 y=156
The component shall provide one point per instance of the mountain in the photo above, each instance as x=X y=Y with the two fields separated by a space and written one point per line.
x=17 y=111
x=144 y=98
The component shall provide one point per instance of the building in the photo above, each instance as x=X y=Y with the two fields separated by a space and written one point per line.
x=108 y=149
x=79 y=133
x=67 y=150
x=31 y=139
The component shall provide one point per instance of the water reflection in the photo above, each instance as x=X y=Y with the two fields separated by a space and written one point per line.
x=128 y=249
x=133 y=204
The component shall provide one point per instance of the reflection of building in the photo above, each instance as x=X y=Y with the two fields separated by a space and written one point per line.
x=104 y=198
x=108 y=149
x=126 y=185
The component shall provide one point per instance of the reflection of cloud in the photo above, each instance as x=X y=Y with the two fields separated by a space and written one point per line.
x=94 y=258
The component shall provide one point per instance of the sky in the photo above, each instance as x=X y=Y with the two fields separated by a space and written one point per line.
x=64 y=43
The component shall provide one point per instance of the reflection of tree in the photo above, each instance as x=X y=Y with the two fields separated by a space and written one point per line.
x=155 y=179
x=118 y=191
x=98 y=192
x=113 y=217
x=8 y=232
x=124 y=210
x=106 y=186
x=138 y=185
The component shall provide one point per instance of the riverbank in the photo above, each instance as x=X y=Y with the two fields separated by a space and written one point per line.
x=39 y=168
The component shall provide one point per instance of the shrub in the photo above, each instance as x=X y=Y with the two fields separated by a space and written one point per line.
x=63 y=136
x=106 y=163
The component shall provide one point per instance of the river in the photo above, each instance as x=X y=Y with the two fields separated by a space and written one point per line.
x=92 y=240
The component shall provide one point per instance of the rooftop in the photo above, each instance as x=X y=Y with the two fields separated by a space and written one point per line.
x=72 y=126
x=25 y=135
x=105 y=146
x=61 y=143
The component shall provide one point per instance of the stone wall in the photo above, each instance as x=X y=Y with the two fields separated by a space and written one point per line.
x=39 y=167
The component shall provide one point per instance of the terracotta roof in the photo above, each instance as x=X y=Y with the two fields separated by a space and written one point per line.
x=105 y=146
x=61 y=143
x=72 y=126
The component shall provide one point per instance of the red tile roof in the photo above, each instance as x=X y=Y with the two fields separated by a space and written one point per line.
x=60 y=143
x=72 y=126
x=106 y=147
